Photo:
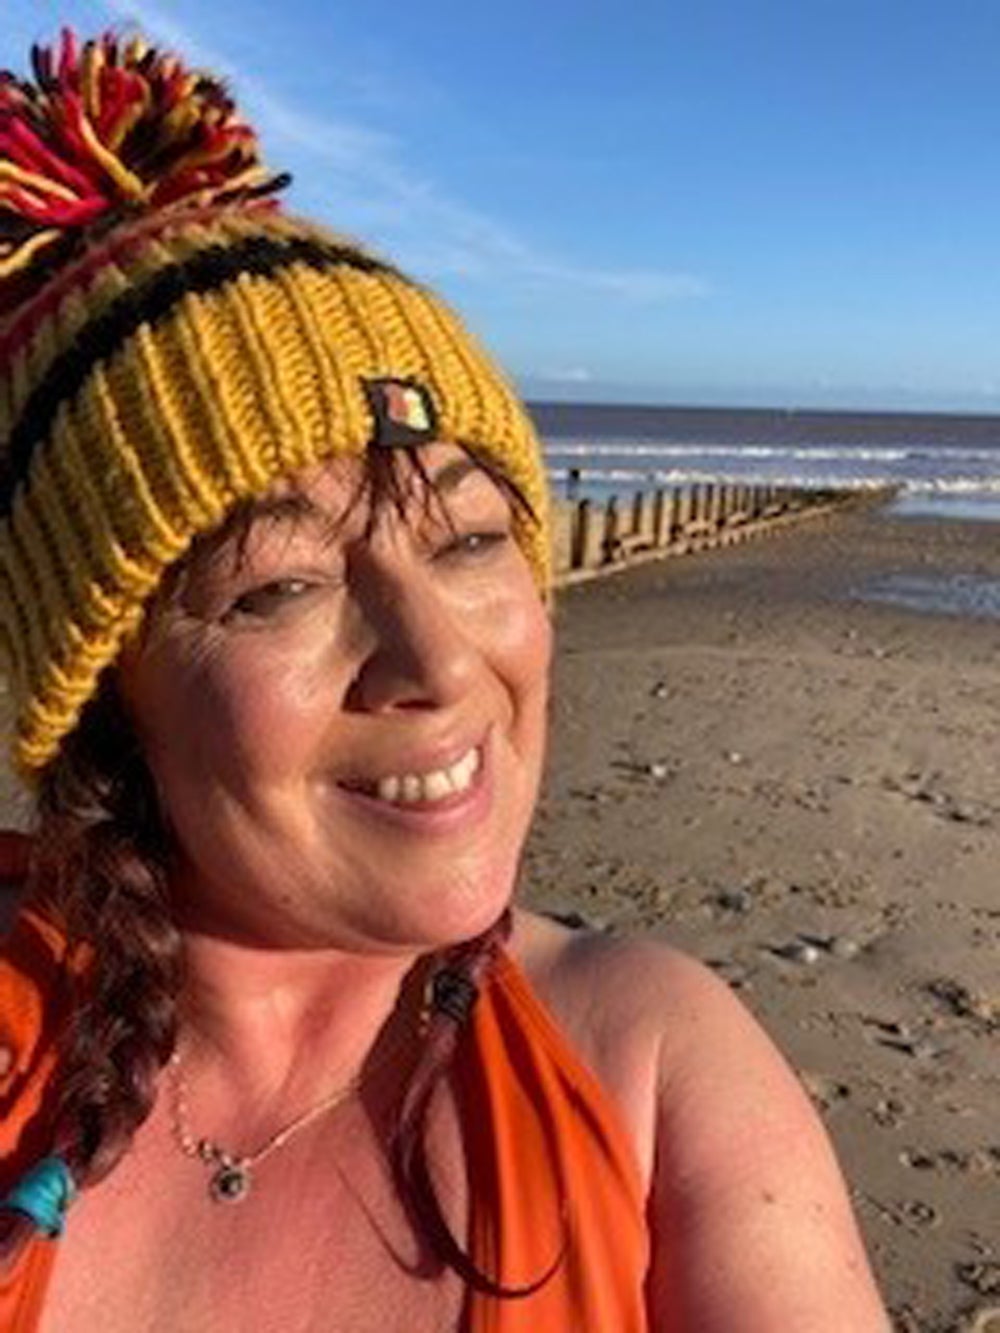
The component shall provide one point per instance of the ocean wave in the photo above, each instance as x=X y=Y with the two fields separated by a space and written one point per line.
x=638 y=480
x=953 y=486
x=558 y=449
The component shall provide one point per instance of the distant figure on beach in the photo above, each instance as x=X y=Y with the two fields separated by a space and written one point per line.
x=573 y=484
x=277 y=1052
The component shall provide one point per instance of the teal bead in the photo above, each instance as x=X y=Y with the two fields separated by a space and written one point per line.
x=43 y=1194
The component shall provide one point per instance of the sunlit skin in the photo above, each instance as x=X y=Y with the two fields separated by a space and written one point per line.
x=328 y=649
x=271 y=690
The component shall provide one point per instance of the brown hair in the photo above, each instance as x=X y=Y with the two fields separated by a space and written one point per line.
x=101 y=869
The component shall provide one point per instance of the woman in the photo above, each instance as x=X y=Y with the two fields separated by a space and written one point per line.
x=275 y=1049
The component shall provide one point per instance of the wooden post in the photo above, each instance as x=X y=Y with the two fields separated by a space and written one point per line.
x=581 y=513
x=644 y=527
x=563 y=516
x=638 y=509
x=708 y=491
x=730 y=512
x=612 y=529
x=590 y=536
x=663 y=516
x=683 y=509
x=699 y=513
x=715 y=501
x=744 y=512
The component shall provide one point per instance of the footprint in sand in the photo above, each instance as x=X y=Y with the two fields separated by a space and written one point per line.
x=974 y=1161
x=982 y=1277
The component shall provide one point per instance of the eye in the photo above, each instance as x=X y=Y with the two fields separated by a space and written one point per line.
x=269 y=598
x=476 y=545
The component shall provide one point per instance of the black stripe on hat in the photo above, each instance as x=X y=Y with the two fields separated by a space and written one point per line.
x=150 y=302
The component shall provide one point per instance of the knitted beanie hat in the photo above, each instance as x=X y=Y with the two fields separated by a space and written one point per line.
x=170 y=344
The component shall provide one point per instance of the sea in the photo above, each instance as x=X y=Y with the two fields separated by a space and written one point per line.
x=943 y=465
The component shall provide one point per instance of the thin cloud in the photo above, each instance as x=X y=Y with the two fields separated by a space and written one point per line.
x=571 y=375
x=365 y=188
x=637 y=285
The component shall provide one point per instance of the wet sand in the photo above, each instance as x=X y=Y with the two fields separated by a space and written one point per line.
x=803 y=789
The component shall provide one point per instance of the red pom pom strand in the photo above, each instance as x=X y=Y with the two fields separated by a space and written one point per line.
x=110 y=127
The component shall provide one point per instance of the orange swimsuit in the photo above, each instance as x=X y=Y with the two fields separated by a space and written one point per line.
x=552 y=1169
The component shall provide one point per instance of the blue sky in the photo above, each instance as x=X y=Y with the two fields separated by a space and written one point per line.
x=790 y=203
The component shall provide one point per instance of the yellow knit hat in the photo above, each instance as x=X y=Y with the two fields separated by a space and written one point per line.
x=170 y=344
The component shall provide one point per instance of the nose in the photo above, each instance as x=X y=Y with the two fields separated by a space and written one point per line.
x=420 y=653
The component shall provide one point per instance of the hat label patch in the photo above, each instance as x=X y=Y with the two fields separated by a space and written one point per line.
x=404 y=412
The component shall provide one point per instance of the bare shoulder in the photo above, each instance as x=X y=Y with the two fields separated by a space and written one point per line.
x=750 y=1218
x=670 y=1002
x=584 y=958
x=690 y=1027
x=643 y=1015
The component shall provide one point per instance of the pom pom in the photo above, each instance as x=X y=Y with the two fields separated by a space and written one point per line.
x=113 y=127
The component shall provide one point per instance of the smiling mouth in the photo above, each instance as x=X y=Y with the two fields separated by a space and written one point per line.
x=440 y=784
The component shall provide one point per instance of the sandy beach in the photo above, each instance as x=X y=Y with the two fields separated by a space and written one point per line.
x=801 y=787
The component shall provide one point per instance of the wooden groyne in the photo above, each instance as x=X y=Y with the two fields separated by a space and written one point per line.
x=591 y=537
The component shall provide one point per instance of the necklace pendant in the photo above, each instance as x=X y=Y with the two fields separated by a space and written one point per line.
x=230 y=1183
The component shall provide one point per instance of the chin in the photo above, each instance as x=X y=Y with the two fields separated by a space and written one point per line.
x=429 y=915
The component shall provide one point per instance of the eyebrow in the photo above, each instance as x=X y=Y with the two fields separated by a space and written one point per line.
x=291 y=506
x=294 y=507
x=450 y=475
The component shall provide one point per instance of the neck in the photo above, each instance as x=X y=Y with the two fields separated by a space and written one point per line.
x=280 y=1025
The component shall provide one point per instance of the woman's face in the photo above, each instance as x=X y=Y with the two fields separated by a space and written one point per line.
x=344 y=714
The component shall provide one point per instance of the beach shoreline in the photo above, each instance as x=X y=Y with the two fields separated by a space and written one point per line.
x=759 y=761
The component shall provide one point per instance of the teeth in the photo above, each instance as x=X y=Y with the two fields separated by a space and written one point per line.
x=465 y=770
x=426 y=788
x=436 y=786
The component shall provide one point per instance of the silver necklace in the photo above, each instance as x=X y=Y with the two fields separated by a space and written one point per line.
x=232 y=1173
x=448 y=991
